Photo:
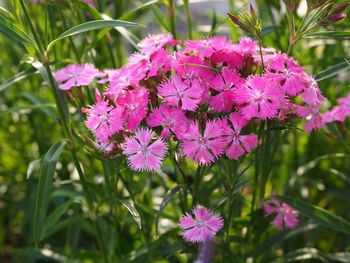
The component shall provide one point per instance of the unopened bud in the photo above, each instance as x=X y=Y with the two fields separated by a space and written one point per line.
x=337 y=17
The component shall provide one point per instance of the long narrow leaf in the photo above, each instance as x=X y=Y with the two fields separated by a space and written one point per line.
x=47 y=170
x=18 y=77
x=332 y=71
x=330 y=35
x=92 y=25
x=15 y=32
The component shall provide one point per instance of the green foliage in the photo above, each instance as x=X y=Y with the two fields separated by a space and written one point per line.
x=80 y=208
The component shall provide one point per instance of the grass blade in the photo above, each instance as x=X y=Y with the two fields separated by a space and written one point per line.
x=332 y=71
x=47 y=170
x=330 y=35
x=18 y=77
x=91 y=25
x=15 y=32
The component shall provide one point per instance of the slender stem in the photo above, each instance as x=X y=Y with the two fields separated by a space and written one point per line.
x=46 y=23
x=261 y=54
x=32 y=28
x=171 y=15
x=188 y=16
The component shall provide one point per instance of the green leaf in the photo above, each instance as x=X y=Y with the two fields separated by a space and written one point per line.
x=166 y=200
x=61 y=99
x=129 y=15
x=47 y=170
x=303 y=254
x=131 y=207
x=18 y=77
x=330 y=35
x=15 y=32
x=33 y=165
x=36 y=100
x=91 y=25
x=53 y=218
x=26 y=108
x=332 y=71
x=52 y=229
x=317 y=214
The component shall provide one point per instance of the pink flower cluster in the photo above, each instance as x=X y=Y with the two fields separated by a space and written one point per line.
x=208 y=96
x=338 y=113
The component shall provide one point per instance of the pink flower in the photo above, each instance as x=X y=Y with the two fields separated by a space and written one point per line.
x=203 y=148
x=171 y=119
x=107 y=75
x=153 y=43
x=206 y=47
x=312 y=94
x=225 y=84
x=288 y=73
x=312 y=115
x=179 y=93
x=238 y=144
x=286 y=216
x=125 y=78
x=135 y=104
x=260 y=98
x=104 y=120
x=342 y=111
x=142 y=153
x=75 y=76
x=204 y=226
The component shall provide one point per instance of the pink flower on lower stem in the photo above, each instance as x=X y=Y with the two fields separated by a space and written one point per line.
x=238 y=144
x=179 y=93
x=203 y=148
x=104 y=120
x=171 y=119
x=75 y=76
x=260 y=97
x=286 y=216
x=204 y=226
x=142 y=153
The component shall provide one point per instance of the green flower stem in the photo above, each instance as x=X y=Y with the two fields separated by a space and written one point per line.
x=66 y=130
x=171 y=15
x=188 y=17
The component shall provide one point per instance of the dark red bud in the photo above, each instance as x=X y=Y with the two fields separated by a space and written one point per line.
x=337 y=17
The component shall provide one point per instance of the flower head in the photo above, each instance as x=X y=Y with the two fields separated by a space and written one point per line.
x=286 y=216
x=104 y=120
x=142 y=153
x=75 y=76
x=260 y=98
x=203 y=148
x=153 y=43
x=225 y=85
x=179 y=93
x=238 y=144
x=204 y=226
x=288 y=73
x=171 y=119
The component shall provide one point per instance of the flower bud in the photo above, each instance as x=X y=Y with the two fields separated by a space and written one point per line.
x=337 y=17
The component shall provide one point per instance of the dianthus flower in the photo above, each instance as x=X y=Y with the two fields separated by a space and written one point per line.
x=312 y=94
x=171 y=119
x=75 y=76
x=135 y=104
x=260 y=98
x=288 y=73
x=238 y=144
x=104 y=120
x=179 y=93
x=203 y=227
x=142 y=153
x=153 y=43
x=312 y=115
x=286 y=216
x=225 y=84
x=203 y=148
x=206 y=47
x=342 y=111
